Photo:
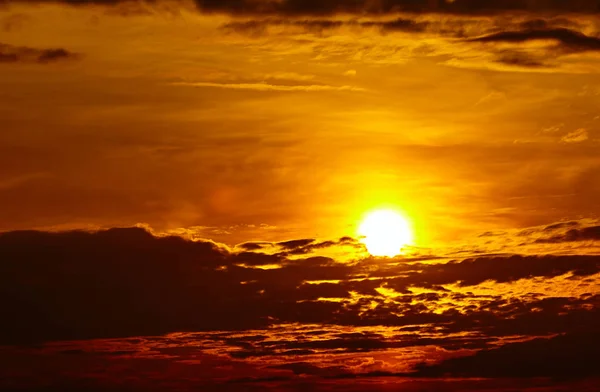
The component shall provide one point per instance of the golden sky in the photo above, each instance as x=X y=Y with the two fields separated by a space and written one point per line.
x=255 y=136
x=164 y=115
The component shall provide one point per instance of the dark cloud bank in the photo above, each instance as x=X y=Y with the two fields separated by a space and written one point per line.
x=127 y=282
x=324 y=7
x=328 y=7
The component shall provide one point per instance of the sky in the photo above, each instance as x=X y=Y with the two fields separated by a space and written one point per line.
x=182 y=185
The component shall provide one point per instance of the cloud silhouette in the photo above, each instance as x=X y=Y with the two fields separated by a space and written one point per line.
x=330 y=7
x=563 y=357
x=127 y=282
x=591 y=233
x=471 y=7
x=196 y=314
x=258 y=26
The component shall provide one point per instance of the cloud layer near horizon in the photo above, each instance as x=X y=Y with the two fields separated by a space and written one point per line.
x=486 y=309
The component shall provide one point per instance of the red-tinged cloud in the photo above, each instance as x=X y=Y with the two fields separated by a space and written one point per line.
x=176 y=313
x=563 y=357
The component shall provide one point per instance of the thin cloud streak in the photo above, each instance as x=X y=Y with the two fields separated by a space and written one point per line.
x=269 y=87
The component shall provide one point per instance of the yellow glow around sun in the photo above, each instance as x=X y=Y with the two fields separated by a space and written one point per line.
x=385 y=233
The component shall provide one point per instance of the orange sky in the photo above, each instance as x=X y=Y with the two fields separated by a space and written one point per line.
x=171 y=117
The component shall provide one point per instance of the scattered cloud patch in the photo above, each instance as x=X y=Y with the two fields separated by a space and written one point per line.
x=578 y=136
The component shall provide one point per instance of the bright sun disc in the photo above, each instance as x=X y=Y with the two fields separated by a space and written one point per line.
x=385 y=233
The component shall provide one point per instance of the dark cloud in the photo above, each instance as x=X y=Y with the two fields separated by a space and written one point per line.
x=502 y=269
x=252 y=246
x=591 y=233
x=23 y=54
x=362 y=342
x=447 y=27
x=519 y=59
x=318 y=25
x=306 y=246
x=485 y=35
x=256 y=259
x=127 y=282
x=561 y=225
x=538 y=24
x=124 y=282
x=204 y=316
x=329 y=7
x=295 y=244
x=569 y=40
x=563 y=357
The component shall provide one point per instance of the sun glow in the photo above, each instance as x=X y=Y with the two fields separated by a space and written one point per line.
x=385 y=233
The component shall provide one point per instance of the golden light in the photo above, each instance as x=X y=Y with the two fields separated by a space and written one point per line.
x=385 y=233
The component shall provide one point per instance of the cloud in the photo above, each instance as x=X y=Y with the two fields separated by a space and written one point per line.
x=295 y=244
x=554 y=42
x=127 y=282
x=329 y=7
x=269 y=87
x=370 y=7
x=180 y=314
x=591 y=233
x=23 y=54
x=516 y=44
x=449 y=26
x=568 y=40
x=565 y=357
x=578 y=136
x=253 y=246
x=519 y=59
x=259 y=26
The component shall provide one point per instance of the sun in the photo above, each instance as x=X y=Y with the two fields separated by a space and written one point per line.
x=385 y=233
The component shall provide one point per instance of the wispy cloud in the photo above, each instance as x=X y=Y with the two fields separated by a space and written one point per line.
x=578 y=136
x=270 y=87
